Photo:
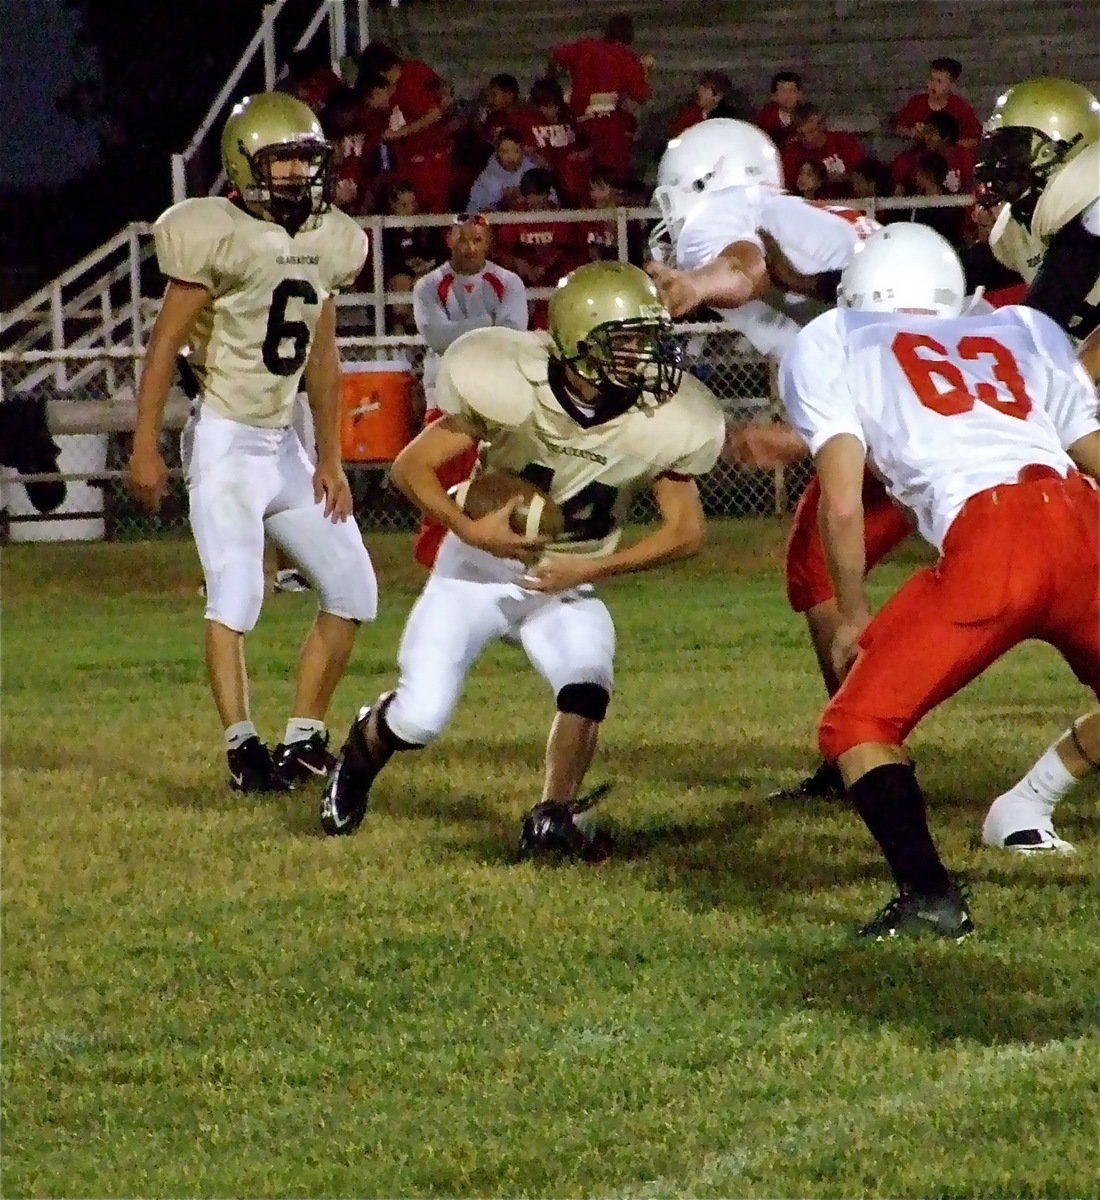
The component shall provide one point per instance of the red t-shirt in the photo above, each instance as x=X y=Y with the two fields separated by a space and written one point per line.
x=547 y=245
x=960 y=167
x=557 y=144
x=418 y=89
x=840 y=152
x=776 y=122
x=520 y=118
x=684 y=119
x=917 y=110
x=598 y=68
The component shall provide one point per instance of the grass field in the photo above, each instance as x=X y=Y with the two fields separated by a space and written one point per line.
x=204 y=997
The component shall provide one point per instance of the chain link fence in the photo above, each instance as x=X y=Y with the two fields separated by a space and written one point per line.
x=90 y=399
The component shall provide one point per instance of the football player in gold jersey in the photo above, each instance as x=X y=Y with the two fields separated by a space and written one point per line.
x=251 y=283
x=593 y=414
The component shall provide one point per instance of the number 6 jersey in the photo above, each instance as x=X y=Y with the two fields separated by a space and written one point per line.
x=249 y=345
x=497 y=380
x=945 y=408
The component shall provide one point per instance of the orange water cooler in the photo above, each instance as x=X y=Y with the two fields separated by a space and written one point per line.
x=376 y=410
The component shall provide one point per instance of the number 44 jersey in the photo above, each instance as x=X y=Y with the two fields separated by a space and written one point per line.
x=249 y=345
x=497 y=380
x=945 y=407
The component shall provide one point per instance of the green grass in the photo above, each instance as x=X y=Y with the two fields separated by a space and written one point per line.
x=203 y=997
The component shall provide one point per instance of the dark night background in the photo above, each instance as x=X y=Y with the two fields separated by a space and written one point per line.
x=96 y=96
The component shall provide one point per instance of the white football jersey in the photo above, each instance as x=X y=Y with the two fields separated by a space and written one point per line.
x=249 y=345
x=945 y=408
x=815 y=238
x=496 y=379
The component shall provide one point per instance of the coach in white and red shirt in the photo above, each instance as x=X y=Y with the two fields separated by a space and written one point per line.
x=466 y=292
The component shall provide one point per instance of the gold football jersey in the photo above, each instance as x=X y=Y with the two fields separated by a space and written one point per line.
x=249 y=345
x=1069 y=193
x=496 y=379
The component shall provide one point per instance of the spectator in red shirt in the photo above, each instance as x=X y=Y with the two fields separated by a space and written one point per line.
x=419 y=135
x=541 y=250
x=555 y=143
x=776 y=118
x=871 y=178
x=936 y=135
x=813 y=139
x=939 y=96
x=503 y=110
x=310 y=77
x=355 y=119
x=606 y=77
x=711 y=89
x=599 y=239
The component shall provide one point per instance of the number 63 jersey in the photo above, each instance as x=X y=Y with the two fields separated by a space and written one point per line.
x=249 y=345
x=497 y=381
x=945 y=407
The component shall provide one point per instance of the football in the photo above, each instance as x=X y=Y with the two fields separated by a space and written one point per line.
x=535 y=516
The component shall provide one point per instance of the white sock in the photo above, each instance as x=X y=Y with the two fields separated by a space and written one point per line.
x=301 y=729
x=241 y=732
x=1030 y=803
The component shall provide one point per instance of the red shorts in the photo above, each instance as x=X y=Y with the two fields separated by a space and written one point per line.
x=885 y=525
x=1019 y=561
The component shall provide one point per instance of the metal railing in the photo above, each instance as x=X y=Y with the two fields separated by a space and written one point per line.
x=265 y=46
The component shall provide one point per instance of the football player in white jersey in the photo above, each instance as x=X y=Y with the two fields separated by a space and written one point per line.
x=251 y=283
x=1040 y=159
x=769 y=262
x=593 y=414
x=986 y=428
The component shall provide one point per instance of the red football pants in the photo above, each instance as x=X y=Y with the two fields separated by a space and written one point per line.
x=885 y=525
x=1020 y=561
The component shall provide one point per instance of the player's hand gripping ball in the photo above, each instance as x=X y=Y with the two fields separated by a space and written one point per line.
x=536 y=515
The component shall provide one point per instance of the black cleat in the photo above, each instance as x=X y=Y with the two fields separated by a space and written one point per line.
x=824 y=784
x=550 y=830
x=289 y=580
x=299 y=762
x=910 y=915
x=251 y=768
x=347 y=789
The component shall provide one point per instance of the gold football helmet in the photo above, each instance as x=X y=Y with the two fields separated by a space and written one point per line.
x=608 y=323
x=278 y=158
x=1036 y=128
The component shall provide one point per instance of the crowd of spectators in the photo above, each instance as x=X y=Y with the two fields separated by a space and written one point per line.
x=406 y=145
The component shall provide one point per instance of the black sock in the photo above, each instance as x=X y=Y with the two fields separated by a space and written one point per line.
x=890 y=801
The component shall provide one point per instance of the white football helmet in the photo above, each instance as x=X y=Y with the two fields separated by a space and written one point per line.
x=904 y=268
x=717 y=153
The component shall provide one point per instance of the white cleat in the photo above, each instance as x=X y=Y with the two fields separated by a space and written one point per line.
x=1030 y=841
x=1023 y=827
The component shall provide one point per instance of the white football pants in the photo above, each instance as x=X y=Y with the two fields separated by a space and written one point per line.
x=243 y=480
x=470 y=600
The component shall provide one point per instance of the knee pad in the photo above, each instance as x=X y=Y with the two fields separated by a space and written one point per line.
x=588 y=700
x=235 y=595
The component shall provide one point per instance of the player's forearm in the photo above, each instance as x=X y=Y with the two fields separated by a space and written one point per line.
x=723 y=283
x=417 y=479
x=842 y=539
x=669 y=543
x=322 y=381
x=156 y=378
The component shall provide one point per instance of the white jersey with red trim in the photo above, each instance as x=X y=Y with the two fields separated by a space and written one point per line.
x=446 y=305
x=945 y=408
x=814 y=238
x=497 y=380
